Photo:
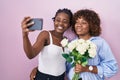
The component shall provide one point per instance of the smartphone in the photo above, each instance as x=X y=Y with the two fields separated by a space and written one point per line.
x=38 y=24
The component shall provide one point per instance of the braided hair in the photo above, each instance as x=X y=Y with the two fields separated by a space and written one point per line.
x=67 y=11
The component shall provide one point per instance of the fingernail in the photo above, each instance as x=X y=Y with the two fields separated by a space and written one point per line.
x=33 y=76
x=32 y=22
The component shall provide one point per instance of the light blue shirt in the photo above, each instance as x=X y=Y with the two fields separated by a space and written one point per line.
x=105 y=61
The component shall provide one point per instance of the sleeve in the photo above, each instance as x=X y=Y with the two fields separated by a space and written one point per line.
x=108 y=65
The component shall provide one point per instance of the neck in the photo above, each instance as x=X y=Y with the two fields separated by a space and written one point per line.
x=85 y=37
x=57 y=35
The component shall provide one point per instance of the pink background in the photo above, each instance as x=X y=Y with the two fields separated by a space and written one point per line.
x=14 y=65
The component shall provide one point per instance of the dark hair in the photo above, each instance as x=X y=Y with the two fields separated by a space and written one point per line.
x=67 y=11
x=92 y=18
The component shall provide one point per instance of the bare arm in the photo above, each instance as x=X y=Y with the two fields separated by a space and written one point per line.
x=32 y=50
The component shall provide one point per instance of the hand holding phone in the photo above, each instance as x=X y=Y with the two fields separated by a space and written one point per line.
x=38 y=24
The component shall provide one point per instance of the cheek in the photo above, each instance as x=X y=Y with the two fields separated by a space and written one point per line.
x=66 y=26
x=75 y=26
x=55 y=23
x=86 y=29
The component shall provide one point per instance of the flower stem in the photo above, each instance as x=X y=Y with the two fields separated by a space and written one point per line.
x=76 y=76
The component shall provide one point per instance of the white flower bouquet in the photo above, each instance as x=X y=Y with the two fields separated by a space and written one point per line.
x=80 y=51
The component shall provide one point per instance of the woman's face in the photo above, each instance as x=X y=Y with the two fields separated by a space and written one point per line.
x=61 y=22
x=81 y=27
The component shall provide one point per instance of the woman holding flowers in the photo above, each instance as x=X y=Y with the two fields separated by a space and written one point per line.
x=86 y=24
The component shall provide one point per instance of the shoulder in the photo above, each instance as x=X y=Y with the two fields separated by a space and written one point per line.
x=98 y=39
x=43 y=34
x=100 y=42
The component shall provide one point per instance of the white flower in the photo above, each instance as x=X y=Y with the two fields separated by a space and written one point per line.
x=81 y=49
x=92 y=50
x=81 y=40
x=72 y=45
x=92 y=53
x=64 y=42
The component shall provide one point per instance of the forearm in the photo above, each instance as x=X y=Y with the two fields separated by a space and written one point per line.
x=79 y=68
x=27 y=46
x=86 y=69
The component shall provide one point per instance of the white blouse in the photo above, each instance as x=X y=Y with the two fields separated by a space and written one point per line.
x=51 y=60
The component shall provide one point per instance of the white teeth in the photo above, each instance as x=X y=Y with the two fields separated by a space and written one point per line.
x=79 y=29
x=60 y=27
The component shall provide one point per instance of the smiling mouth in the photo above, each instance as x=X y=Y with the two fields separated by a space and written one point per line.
x=78 y=30
x=60 y=27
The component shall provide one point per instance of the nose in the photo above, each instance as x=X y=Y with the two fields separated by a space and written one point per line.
x=78 y=24
x=61 y=23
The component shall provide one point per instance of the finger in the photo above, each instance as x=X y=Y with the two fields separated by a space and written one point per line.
x=31 y=30
x=26 y=17
x=76 y=71
x=24 y=26
x=30 y=24
x=25 y=20
x=26 y=30
x=32 y=77
x=77 y=64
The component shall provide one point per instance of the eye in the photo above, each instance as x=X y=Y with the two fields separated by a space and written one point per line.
x=76 y=23
x=57 y=20
x=65 y=21
x=84 y=22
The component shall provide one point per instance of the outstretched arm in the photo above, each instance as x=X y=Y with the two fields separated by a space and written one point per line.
x=32 y=50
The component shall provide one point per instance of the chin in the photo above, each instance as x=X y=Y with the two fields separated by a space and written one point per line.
x=80 y=34
x=60 y=31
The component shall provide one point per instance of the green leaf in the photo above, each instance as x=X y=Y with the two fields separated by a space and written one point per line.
x=73 y=64
x=75 y=58
x=74 y=52
x=65 y=55
x=69 y=59
x=86 y=54
x=84 y=63
x=78 y=62
x=83 y=59
x=70 y=54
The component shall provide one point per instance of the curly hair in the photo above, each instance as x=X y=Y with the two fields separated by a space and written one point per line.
x=67 y=11
x=92 y=18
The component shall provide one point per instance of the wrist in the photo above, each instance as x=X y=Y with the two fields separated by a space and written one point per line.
x=90 y=68
x=86 y=69
x=25 y=34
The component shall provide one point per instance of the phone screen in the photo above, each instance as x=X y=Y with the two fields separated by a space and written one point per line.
x=38 y=24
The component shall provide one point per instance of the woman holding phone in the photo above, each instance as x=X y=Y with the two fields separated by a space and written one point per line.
x=51 y=65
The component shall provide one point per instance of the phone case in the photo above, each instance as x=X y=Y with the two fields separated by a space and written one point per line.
x=38 y=24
